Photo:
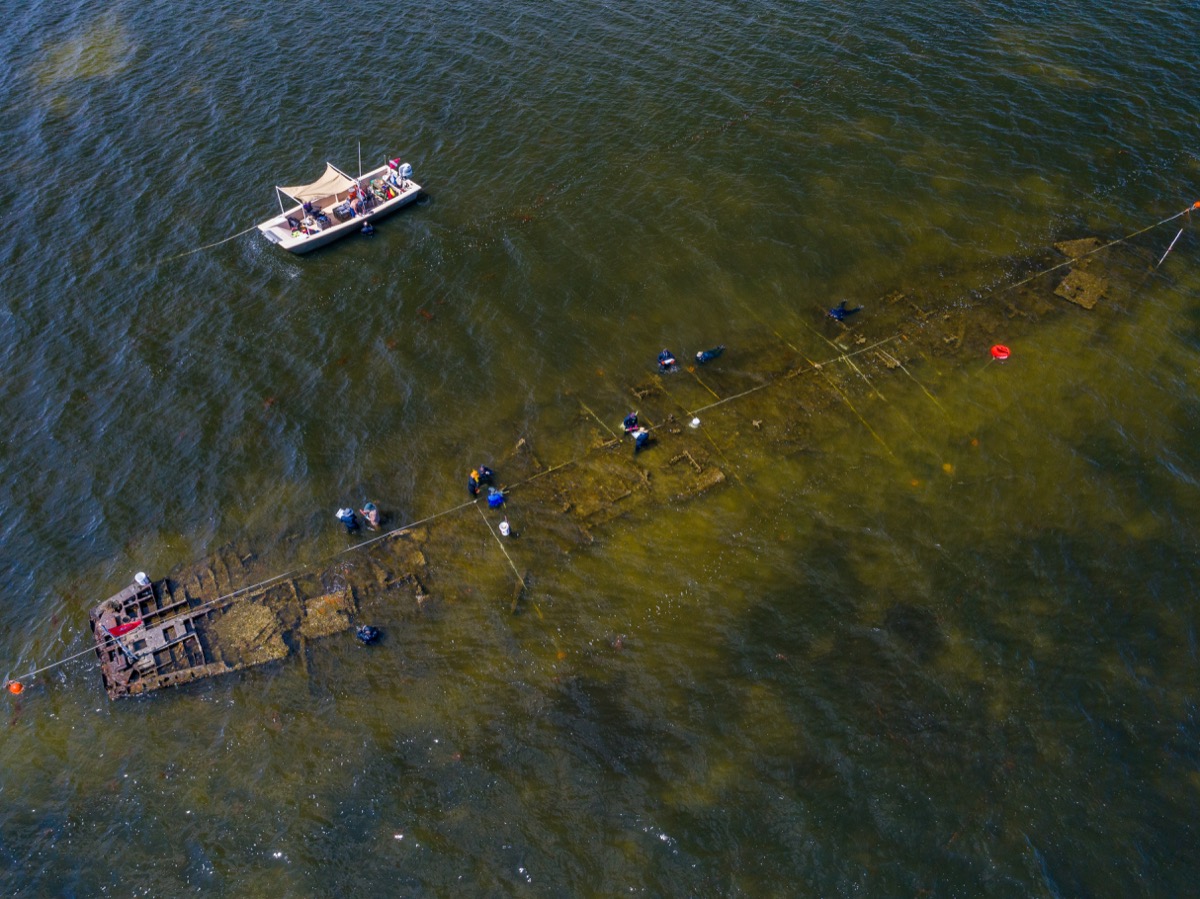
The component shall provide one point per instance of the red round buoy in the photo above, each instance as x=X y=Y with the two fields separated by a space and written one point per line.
x=1000 y=352
x=15 y=687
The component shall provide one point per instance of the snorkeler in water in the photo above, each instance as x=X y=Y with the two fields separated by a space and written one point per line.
x=840 y=313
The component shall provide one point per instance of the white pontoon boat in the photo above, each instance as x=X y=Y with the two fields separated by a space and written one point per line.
x=336 y=205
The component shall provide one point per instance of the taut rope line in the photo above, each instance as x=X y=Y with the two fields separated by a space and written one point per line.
x=207 y=246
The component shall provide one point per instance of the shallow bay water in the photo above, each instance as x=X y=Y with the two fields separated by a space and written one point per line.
x=946 y=645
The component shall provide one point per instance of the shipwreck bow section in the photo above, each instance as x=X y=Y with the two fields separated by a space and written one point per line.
x=204 y=622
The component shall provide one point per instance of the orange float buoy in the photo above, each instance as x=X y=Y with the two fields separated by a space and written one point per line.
x=15 y=687
x=1000 y=352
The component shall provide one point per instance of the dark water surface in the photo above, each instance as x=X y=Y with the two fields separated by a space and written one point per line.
x=944 y=645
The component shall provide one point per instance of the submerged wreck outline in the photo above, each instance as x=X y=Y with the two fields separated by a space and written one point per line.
x=199 y=622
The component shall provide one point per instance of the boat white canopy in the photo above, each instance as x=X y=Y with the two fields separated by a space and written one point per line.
x=331 y=183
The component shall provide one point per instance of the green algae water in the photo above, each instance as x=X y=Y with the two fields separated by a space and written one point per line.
x=935 y=634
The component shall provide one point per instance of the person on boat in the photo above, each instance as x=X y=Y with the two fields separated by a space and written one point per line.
x=346 y=517
x=394 y=174
x=709 y=355
x=630 y=424
x=370 y=514
x=666 y=361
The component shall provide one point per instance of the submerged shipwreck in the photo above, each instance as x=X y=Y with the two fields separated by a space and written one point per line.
x=199 y=623
x=229 y=612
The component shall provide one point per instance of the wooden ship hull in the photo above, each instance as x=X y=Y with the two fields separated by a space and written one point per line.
x=203 y=622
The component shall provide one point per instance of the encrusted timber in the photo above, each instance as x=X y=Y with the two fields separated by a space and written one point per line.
x=394 y=565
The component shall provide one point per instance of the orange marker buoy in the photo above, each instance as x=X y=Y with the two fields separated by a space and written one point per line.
x=1000 y=352
x=15 y=687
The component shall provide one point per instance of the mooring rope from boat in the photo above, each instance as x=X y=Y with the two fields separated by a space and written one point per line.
x=208 y=246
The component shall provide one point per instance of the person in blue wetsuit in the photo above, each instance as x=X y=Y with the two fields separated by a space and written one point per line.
x=840 y=313
x=641 y=439
x=347 y=517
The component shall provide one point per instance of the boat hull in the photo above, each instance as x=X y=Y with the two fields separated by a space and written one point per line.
x=278 y=231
